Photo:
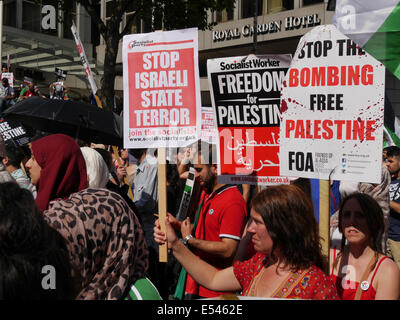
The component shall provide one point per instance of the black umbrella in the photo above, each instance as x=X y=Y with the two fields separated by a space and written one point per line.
x=74 y=118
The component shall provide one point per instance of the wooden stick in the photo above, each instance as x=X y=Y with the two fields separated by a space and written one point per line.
x=324 y=217
x=162 y=199
x=98 y=101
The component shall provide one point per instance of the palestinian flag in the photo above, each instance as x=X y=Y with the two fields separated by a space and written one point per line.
x=375 y=26
x=391 y=138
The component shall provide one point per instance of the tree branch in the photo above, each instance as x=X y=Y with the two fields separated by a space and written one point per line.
x=128 y=24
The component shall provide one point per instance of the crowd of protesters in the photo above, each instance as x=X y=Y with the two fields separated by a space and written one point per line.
x=10 y=93
x=92 y=216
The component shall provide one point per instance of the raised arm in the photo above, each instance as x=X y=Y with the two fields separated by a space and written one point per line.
x=202 y=272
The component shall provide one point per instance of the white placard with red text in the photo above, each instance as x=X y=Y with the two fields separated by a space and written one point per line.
x=162 y=104
x=9 y=76
x=332 y=109
x=209 y=130
x=245 y=94
x=82 y=54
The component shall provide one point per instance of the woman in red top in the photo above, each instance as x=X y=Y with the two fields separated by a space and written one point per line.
x=359 y=269
x=288 y=262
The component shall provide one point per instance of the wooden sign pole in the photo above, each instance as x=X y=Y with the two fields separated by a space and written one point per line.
x=162 y=199
x=324 y=217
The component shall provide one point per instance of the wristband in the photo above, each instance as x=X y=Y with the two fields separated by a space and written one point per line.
x=187 y=238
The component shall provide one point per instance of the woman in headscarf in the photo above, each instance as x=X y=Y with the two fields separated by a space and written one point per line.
x=57 y=168
x=96 y=168
x=104 y=239
x=107 y=249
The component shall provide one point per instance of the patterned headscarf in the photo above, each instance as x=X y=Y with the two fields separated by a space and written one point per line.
x=63 y=168
x=105 y=242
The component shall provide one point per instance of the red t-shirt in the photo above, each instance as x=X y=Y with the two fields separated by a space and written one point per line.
x=223 y=215
x=314 y=284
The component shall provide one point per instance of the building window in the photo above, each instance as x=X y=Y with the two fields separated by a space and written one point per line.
x=10 y=13
x=288 y=4
x=109 y=5
x=31 y=16
x=135 y=26
x=331 y=5
x=274 y=6
x=265 y=6
x=224 y=15
x=248 y=8
x=69 y=16
x=144 y=25
x=308 y=2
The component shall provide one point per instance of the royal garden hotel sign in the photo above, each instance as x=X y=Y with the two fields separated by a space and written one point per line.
x=247 y=30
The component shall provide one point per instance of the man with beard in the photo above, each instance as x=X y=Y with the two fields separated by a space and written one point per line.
x=220 y=219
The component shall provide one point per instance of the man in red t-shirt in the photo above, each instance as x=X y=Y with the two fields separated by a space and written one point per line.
x=28 y=91
x=221 y=221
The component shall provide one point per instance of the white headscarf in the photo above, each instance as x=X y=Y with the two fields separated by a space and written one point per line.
x=5 y=176
x=96 y=168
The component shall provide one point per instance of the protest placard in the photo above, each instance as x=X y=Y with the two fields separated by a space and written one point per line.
x=245 y=94
x=13 y=132
x=60 y=74
x=209 y=130
x=162 y=105
x=332 y=108
x=85 y=63
x=9 y=76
